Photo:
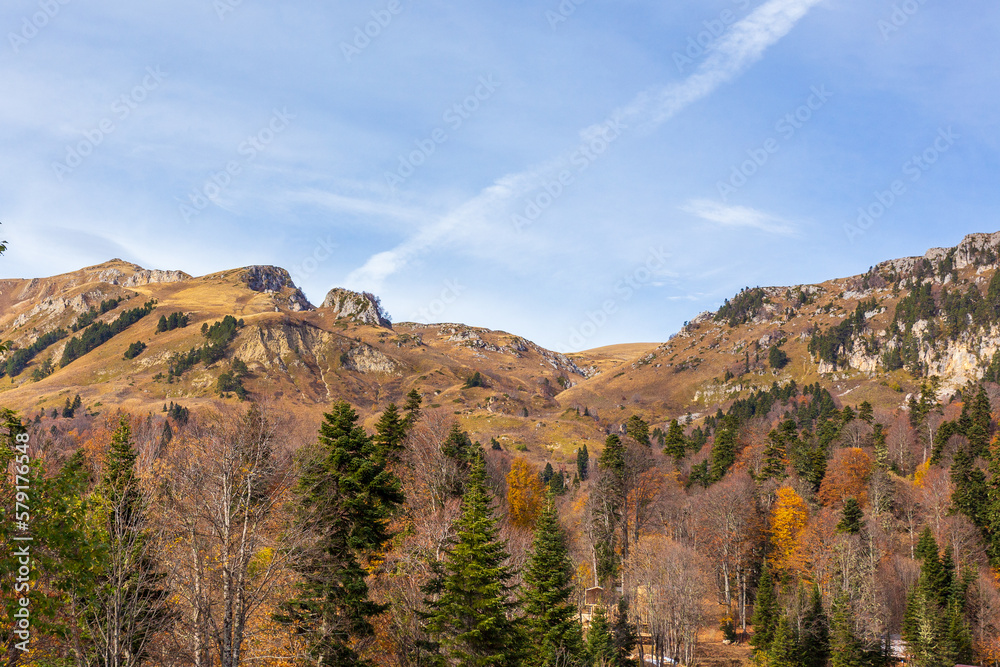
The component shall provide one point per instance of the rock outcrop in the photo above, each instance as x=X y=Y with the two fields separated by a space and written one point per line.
x=275 y=280
x=362 y=307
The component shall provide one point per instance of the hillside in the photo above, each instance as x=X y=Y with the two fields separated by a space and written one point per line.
x=921 y=317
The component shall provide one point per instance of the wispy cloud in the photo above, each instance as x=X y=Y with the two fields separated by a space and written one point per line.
x=742 y=46
x=739 y=216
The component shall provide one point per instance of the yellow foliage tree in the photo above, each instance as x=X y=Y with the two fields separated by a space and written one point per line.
x=525 y=493
x=788 y=519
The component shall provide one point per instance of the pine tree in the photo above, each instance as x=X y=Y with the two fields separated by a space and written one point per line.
x=471 y=617
x=775 y=460
x=130 y=603
x=846 y=649
x=765 y=614
x=723 y=453
x=582 y=463
x=550 y=616
x=600 y=643
x=624 y=635
x=411 y=408
x=783 y=651
x=675 y=444
x=390 y=431
x=814 y=640
x=343 y=500
x=851 y=518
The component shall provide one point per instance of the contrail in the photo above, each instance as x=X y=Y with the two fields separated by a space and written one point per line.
x=742 y=46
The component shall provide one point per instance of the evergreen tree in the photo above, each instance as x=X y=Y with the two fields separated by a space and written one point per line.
x=130 y=603
x=723 y=453
x=775 y=459
x=675 y=444
x=600 y=643
x=390 y=431
x=846 y=649
x=550 y=616
x=411 y=409
x=471 y=617
x=765 y=614
x=814 y=640
x=637 y=428
x=851 y=518
x=783 y=651
x=343 y=500
x=582 y=463
x=624 y=635
x=866 y=413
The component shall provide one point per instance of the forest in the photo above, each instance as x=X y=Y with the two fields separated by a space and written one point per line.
x=814 y=532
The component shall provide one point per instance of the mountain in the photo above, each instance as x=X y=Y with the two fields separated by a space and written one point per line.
x=874 y=337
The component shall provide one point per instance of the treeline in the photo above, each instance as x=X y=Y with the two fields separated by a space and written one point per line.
x=98 y=333
x=18 y=360
x=218 y=335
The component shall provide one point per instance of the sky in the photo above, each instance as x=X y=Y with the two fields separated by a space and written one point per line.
x=578 y=172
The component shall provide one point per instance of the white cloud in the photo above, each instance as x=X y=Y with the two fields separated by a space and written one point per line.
x=742 y=46
x=739 y=216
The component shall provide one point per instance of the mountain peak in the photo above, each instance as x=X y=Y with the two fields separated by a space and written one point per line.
x=359 y=306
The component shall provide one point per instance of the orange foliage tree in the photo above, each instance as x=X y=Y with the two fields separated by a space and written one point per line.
x=846 y=477
x=525 y=493
x=788 y=519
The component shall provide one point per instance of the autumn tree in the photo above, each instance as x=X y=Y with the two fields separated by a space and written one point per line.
x=846 y=477
x=525 y=493
x=788 y=519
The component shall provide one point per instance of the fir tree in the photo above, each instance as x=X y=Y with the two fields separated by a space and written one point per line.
x=814 y=640
x=390 y=431
x=783 y=651
x=846 y=649
x=625 y=636
x=411 y=409
x=343 y=499
x=765 y=614
x=775 y=459
x=600 y=643
x=675 y=444
x=851 y=518
x=550 y=616
x=471 y=617
x=582 y=463
x=723 y=453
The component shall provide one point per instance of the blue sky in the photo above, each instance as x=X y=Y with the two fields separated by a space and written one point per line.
x=580 y=172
